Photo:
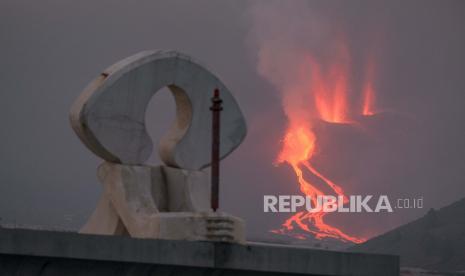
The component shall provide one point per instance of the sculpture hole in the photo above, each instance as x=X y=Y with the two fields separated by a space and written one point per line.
x=159 y=117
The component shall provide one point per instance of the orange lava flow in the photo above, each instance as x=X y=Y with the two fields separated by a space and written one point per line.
x=327 y=89
x=298 y=148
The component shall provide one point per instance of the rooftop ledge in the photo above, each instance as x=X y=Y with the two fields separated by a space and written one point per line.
x=25 y=247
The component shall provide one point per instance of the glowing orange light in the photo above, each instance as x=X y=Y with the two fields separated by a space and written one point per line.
x=330 y=92
x=368 y=91
x=328 y=87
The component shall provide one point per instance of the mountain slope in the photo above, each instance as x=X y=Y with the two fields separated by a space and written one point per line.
x=434 y=242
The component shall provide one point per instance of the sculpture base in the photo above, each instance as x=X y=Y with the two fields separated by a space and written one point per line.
x=160 y=203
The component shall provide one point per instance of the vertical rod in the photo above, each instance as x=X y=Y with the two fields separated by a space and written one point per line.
x=215 y=162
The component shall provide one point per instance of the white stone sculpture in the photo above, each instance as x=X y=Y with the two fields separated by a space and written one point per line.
x=170 y=201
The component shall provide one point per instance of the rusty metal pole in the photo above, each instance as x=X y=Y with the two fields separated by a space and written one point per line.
x=215 y=162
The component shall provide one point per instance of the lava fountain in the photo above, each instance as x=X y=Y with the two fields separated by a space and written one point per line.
x=325 y=89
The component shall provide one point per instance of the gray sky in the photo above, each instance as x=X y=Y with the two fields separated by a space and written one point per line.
x=50 y=50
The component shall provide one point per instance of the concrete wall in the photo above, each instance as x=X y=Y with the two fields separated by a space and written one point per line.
x=28 y=265
x=32 y=252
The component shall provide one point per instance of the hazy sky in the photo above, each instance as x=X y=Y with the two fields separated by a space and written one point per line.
x=50 y=50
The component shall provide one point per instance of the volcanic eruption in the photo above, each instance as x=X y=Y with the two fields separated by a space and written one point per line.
x=326 y=87
x=322 y=80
